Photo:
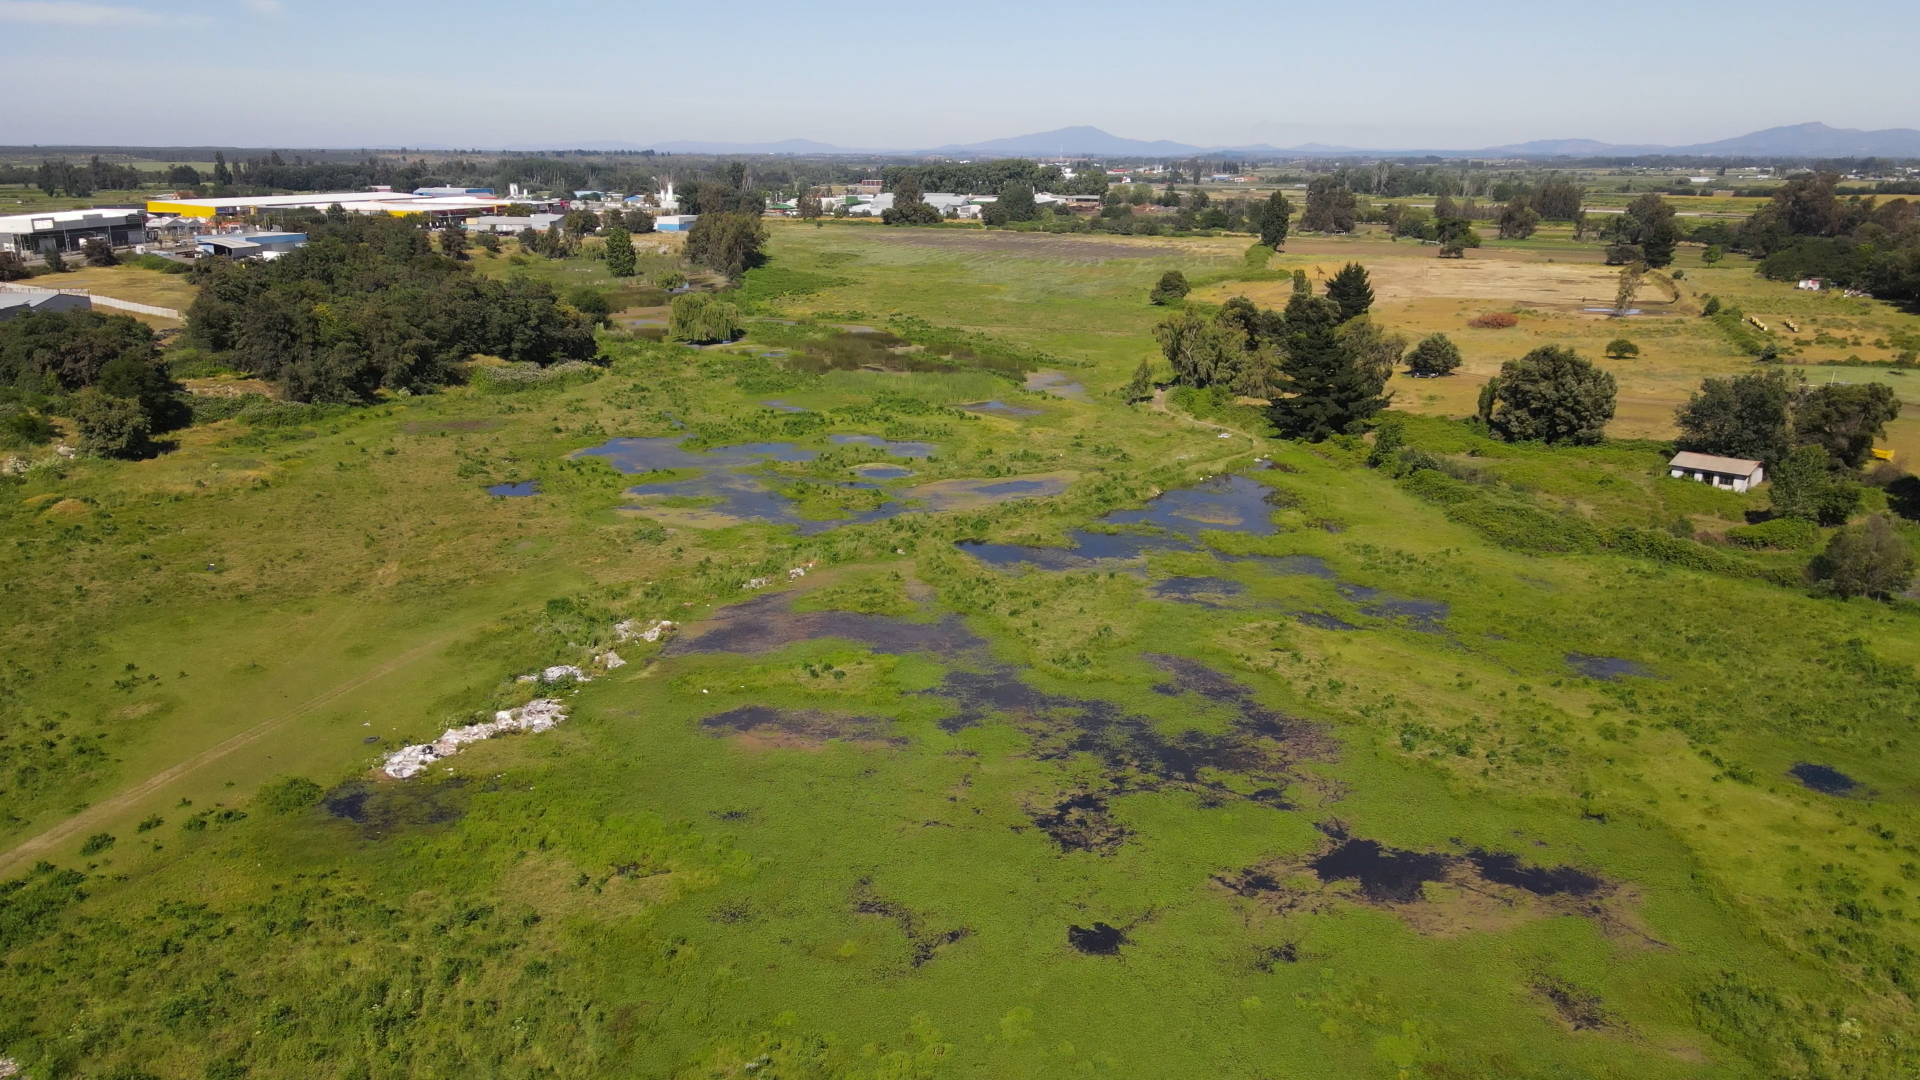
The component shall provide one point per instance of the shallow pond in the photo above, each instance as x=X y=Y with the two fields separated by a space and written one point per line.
x=1232 y=503
x=1824 y=779
x=997 y=408
x=727 y=490
x=517 y=490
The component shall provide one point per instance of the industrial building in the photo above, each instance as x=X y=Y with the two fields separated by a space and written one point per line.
x=17 y=300
x=66 y=230
x=262 y=245
x=674 y=222
x=503 y=224
x=447 y=207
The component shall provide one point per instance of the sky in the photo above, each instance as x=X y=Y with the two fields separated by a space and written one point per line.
x=486 y=75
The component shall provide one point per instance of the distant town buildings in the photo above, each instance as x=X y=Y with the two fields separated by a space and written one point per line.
x=66 y=230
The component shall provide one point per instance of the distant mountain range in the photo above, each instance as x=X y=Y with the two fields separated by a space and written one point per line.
x=1799 y=140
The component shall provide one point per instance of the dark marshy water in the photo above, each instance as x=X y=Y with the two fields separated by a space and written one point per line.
x=1169 y=522
x=1824 y=779
x=518 y=489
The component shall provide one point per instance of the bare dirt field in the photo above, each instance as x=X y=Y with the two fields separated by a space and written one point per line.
x=1566 y=286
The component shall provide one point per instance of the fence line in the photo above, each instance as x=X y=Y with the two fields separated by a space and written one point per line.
x=103 y=301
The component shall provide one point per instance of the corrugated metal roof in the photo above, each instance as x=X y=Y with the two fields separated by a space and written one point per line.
x=1687 y=459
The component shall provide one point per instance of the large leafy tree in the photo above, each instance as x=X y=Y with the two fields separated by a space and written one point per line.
x=1804 y=486
x=1648 y=226
x=1325 y=391
x=729 y=243
x=909 y=204
x=1552 y=394
x=1275 y=216
x=1845 y=419
x=1747 y=416
x=1330 y=207
x=1352 y=290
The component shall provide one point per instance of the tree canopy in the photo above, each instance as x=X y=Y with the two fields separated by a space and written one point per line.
x=1844 y=420
x=1275 y=214
x=1435 y=355
x=1330 y=207
x=1552 y=394
x=729 y=243
x=1746 y=416
x=1352 y=290
x=367 y=305
x=1326 y=389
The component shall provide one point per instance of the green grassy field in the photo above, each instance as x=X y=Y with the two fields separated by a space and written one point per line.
x=909 y=814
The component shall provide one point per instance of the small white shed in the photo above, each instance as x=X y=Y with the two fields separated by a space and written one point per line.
x=1738 y=474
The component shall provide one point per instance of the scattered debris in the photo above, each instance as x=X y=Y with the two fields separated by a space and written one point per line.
x=540 y=714
x=610 y=660
x=654 y=631
x=757 y=583
x=556 y=673
x=9 y=1068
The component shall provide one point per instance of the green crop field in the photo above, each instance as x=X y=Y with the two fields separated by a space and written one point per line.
x=998 y=732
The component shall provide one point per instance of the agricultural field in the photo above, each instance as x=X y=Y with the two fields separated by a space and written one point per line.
x=927 y=710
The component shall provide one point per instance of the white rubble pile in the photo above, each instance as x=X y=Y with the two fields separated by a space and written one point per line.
x=610 y=660
x=757 y=583
x=557 y=672
x=541 y=714
x=796 y=573
x=627 y=631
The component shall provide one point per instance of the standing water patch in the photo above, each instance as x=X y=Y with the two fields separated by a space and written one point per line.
x=1824 y=779
x=1606 y=668
x=1169 y=522
x=517 y=490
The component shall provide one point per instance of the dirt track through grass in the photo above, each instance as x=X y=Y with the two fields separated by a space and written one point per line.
x=130 y=796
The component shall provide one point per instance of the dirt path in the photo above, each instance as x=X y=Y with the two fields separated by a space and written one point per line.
x=122 y=801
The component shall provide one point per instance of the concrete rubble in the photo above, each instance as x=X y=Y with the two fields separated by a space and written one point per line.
x=627 y=631
x=541 y=714
x=556 y=673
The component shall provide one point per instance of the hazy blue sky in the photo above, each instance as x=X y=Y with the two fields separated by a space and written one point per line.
x=352 y=73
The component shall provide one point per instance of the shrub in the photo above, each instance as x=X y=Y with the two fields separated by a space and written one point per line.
x=110 y=426
x=13 y=267
x=99 y=253
x=528 y=376
x=1494 y=320
x=1710 y=308
x=288 y=796
x=1621 y=349
x=1779 y=534
x=96 y=844
x=1524 y=528
x=26 y=429
x=1868 y=559
x=1172 y=287
x=671 y=279
x=1435 y=355
x=703 y=317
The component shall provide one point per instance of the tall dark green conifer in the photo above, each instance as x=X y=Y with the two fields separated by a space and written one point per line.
x=1274 y=218
x=1325 y=391
x=1351 y=289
